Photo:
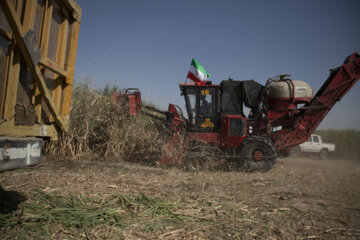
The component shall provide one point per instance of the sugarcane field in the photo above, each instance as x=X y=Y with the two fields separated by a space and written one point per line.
x=107 y=133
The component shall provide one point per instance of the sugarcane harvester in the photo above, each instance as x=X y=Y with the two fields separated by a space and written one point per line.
x=283 y=113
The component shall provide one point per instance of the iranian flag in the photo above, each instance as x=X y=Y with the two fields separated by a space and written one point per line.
x=197 y=73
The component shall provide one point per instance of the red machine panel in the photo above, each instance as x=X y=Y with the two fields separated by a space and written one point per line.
x=232 y=130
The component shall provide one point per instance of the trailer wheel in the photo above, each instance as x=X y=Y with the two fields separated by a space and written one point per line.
x=324 y=154
x=258 y=154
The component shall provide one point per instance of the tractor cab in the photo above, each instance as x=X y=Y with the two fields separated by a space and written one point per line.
x=218 y=109
x=202 y=105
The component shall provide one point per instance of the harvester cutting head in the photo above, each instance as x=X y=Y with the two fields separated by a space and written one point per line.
x=130 y=98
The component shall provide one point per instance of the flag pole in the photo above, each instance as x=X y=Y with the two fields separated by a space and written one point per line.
x=186 y=77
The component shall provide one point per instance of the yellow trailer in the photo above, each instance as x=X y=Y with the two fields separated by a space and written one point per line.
x=38 y=41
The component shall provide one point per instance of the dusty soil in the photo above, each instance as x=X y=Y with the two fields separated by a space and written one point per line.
x=299 y=198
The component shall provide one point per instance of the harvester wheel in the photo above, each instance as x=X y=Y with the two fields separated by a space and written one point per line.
x=324 y=154
x=258 y=154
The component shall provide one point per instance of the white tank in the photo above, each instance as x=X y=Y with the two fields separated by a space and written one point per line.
x=284 y=89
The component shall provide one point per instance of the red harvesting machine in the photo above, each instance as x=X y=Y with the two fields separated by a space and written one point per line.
x=283 y=113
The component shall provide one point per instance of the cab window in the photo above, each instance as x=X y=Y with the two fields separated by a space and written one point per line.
x=206 y=102
x=191 y=100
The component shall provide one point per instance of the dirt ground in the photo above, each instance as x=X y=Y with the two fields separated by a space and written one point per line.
x=299 y=198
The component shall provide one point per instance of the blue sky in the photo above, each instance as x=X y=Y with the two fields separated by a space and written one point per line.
x=149 y=44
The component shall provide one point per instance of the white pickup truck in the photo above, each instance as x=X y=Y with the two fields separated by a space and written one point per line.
x=314 y=145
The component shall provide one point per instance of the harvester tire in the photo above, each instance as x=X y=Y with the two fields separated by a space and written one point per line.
x=258 y=154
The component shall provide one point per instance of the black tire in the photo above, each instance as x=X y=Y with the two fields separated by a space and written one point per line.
x=258 y=154
x=324 y=154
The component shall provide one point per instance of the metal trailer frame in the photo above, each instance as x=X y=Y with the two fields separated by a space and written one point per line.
x=38 y=42
x=42 y=40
